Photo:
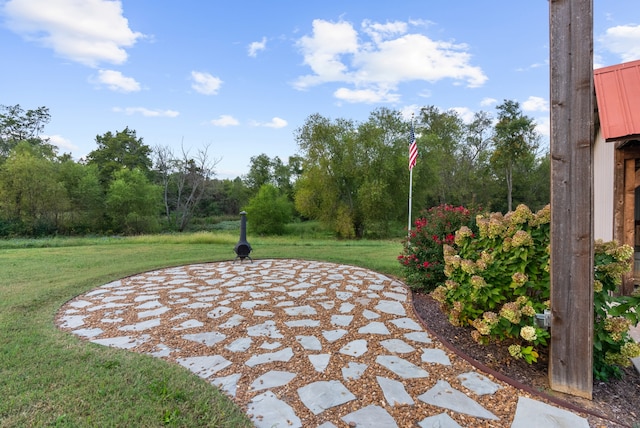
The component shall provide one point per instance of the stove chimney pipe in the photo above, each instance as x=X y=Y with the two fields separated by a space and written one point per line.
x=243 y=248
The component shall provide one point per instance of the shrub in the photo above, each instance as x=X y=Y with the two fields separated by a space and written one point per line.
x=613 y=315
x=498 y=280
x=422 y=257
x=269 y=211
x=133 y=202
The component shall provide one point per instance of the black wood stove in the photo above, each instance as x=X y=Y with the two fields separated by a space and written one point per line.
x=243 y=248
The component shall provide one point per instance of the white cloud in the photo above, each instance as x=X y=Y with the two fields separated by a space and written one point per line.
x=379 y=32
x=623 y=40
x=533 y=66
x=255 y=47
x=416 y=57
x=543 y=126
x=322 y=52
x=597 y=61
x=205 y=83
x=116 y=81
x=464 y=113
x=225 y=120
x=421 y=23
x=535 y=104
x=368 y=96
x=275 y=123
x=61 y=142
x=409 y=111
x=146 y=112
x=487 y=102
x=377 y=60
x=85 y=31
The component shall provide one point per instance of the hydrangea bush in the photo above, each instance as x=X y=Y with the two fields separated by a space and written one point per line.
x=498 y=279
x=614 y=315
x=422 y=258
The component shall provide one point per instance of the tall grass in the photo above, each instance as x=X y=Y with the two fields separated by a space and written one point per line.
x=50 y=378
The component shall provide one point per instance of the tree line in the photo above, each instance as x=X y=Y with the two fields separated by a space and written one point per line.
x=352 y=176
x=355 y=176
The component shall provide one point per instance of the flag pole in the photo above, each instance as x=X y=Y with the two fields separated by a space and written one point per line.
x=412 y=141
x=410 y=192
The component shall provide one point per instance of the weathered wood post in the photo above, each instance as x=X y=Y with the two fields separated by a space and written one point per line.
x=572 y=138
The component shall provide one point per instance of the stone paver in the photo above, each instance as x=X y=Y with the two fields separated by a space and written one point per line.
x=478 y=383
x=443 y=395
x=270 y=412
x=394 y=391
x=402 y=368
x=205 y=366
x=532 y=413
x=322 y=395
x=437 y=356
x=299 y=343
x=439 y=421
x=370 y=417
x=353 y=370
x=272 y=379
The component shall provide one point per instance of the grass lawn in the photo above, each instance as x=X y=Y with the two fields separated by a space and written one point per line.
x=50 y=378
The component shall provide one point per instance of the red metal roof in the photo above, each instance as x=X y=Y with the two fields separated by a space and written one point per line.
x=618 y=95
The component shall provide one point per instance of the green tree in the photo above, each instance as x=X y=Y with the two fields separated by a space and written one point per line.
x=383 y=193
x=326 y=189
x=515 y=143
x=260 y=172
x=531 y=183
x=540 y=183
x=440 y=139
x=31 y=196
x=227 y=197
x=133 y=202
x=285 y=175
x=18 y=125
x=118 y=151
x=269 y=211
x=236 y=195
x=264 y=170
x=86 y=197
x=474 y=162
x=351 y=172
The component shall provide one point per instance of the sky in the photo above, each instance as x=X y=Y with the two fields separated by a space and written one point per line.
x=237 y=78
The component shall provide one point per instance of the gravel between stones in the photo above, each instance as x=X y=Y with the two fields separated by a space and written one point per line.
x=182 y=313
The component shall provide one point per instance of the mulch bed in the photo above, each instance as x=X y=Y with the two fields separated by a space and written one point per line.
x=615 y=403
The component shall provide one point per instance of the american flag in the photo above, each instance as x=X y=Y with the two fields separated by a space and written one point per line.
x=413 y=149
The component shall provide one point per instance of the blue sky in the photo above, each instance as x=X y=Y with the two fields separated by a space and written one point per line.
x=240 y=77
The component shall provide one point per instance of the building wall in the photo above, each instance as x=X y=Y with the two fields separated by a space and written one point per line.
x=603 y=185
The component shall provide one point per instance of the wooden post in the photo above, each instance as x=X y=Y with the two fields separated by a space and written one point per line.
x=572 y=138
